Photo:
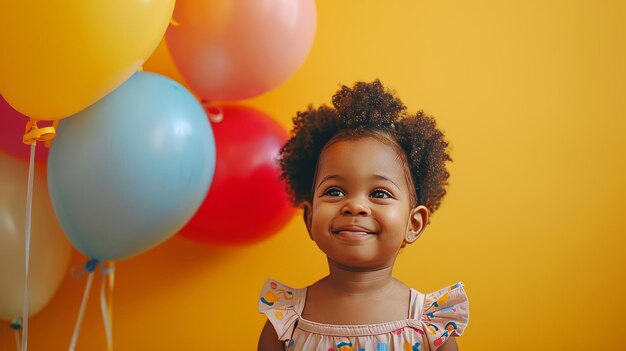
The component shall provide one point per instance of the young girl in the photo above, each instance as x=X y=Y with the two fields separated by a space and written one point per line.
x=367 y=175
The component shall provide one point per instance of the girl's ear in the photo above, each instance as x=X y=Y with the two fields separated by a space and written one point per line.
x=418 y=220
x=307 y=216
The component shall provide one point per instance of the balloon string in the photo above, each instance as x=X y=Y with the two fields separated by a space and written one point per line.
x=32 y=135
x=17 y=339
x=29 y=206
x=106 y=302
x=81 y=311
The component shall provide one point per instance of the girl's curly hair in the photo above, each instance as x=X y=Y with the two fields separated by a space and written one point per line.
x=367 y=109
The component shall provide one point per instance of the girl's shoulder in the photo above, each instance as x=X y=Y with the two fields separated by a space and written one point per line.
x=444 y=313
x=282 y=305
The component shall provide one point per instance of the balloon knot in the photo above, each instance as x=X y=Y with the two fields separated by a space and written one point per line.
x=33 y=133
x=216 y=113
x=16 y=324
x=91 y=265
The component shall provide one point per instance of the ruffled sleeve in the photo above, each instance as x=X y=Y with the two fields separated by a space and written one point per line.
x=277 y=303
x=446 y=313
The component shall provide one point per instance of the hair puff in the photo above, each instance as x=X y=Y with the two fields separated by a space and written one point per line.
x=359 y=111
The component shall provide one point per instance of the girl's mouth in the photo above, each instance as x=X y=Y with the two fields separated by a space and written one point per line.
x=352 y=232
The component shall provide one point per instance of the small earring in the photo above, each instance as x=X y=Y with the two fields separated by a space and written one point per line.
x=409 y=237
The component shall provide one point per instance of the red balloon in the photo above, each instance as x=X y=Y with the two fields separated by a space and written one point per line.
x=12 y=125
x=246 y=202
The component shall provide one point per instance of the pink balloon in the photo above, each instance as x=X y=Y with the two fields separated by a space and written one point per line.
x=12 y=124
x=236 y=49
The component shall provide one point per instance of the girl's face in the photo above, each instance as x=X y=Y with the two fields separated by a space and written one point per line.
x=361 y=212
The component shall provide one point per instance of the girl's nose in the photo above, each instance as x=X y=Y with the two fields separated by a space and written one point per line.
x=355 y=208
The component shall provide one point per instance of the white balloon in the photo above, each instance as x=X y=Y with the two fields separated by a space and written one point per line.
x=49 y=251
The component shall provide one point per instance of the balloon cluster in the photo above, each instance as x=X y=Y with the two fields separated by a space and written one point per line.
x=135 y=159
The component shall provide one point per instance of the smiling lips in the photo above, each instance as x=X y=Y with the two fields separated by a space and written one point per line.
x=353 y=232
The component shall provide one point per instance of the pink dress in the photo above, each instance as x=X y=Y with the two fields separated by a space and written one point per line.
x=433 y=318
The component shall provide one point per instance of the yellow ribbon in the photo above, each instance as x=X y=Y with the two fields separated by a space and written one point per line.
x=33 y=133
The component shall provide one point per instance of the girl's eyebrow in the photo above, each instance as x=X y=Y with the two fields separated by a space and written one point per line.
x=374 y=176
x=382 y=177
x=332 y=176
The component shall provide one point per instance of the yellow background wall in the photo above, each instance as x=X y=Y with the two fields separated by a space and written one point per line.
x=531 y=96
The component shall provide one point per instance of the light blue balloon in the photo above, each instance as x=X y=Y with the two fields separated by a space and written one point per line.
x=128 y=172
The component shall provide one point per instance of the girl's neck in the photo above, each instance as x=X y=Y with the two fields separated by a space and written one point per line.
x=349 y=281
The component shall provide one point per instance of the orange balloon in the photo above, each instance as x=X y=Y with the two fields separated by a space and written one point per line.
x=236 y=49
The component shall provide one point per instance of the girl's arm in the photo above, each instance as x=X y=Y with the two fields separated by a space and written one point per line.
x=449 y=345
x=269 y=339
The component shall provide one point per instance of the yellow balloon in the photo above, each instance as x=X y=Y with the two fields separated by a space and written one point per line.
x=49 y=251
x=58 y=57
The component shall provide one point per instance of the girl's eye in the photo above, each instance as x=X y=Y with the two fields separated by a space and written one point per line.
x=334 y=192
x=381 y=194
